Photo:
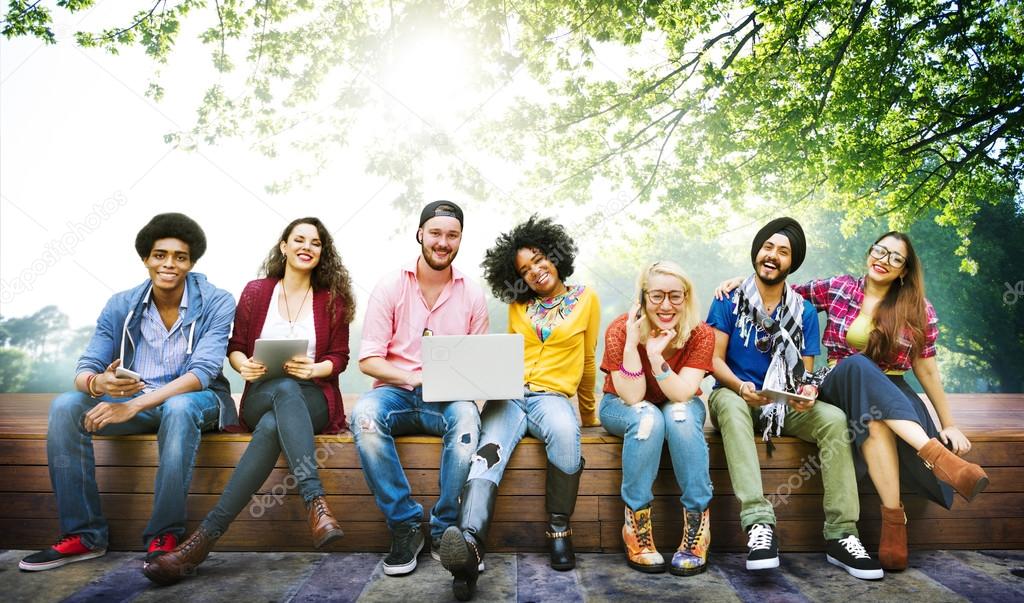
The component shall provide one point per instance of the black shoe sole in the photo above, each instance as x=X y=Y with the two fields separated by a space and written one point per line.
x=455 y=557
x=688 y=572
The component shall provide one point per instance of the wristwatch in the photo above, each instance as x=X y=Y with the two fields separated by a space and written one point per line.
x=666 y=370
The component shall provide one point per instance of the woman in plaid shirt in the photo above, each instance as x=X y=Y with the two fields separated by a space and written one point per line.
x=880 y=326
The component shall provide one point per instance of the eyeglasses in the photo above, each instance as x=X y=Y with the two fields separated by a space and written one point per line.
x=894 y=259
x=656 y=297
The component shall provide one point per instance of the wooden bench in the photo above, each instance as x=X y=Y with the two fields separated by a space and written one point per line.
x=275 y=521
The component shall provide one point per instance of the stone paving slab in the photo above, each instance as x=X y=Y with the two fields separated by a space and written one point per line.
x=934 y=577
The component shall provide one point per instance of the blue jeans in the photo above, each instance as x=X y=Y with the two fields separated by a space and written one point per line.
x=284 y=414
x=389 y=411
x=643 y=428
x=544 y=415
x=178 y=423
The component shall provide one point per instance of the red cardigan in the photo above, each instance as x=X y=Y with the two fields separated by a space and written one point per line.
x=331 y=341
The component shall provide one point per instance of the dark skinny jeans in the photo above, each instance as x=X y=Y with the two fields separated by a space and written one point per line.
x=284 y=413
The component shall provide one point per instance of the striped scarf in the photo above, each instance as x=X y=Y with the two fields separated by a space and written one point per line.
x=786 y=369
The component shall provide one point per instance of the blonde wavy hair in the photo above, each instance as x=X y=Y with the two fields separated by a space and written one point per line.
x=689 y=312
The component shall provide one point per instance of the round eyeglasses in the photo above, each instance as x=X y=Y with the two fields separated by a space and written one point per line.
x=657 y=296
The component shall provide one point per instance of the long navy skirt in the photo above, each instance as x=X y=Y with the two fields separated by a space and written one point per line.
x=865 y=394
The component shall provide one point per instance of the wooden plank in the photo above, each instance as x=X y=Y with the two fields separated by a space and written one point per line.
x=982 y=417
x=38 y=505
x=806 y=506
x=524 y=482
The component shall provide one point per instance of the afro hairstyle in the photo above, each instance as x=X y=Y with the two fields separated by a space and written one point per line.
x=171 y=226
x=542 y=234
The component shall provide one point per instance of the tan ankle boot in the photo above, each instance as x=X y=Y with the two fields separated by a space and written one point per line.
x=638 y=535
x=892 y=548
x=170 y=568
x=966 y=478
x=322 y=523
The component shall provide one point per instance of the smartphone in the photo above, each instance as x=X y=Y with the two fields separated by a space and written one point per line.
x=640 y=309
x=123 y=373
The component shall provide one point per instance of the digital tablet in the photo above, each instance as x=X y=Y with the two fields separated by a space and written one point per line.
x=775 y=394
x=273 y=353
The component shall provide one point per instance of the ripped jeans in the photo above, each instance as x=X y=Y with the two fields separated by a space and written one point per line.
x=388 y=411
x=644 y=427
x=544 y=415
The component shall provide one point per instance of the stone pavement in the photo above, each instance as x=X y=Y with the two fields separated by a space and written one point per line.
x=934 y=577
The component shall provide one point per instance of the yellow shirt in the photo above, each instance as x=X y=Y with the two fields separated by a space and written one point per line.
x=859 y=333
x=565 y=361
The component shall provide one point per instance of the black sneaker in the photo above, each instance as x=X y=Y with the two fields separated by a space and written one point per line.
x=849 y=554
x=764 y=547
x=406 y=543
x=68 y=549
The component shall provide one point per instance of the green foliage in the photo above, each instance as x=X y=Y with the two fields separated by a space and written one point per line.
x=896 y=109
x=14 y=369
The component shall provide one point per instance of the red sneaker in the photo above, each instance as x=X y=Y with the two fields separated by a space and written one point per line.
x=164 y=543
x=68 y=549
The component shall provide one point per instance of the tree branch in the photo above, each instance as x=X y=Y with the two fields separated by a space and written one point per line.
x=838 y=58
x=138 y=22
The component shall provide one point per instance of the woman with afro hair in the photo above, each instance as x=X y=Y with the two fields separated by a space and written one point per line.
x=527 y=268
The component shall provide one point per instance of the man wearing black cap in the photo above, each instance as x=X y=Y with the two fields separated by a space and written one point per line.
x=766 y=337
x=426 y=297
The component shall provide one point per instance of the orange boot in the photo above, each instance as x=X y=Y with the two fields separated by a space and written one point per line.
x=641 y=554
x=892 y=549
x=966 y=478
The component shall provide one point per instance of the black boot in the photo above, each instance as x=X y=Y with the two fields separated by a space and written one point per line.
x=462 y=546
x=560 y=494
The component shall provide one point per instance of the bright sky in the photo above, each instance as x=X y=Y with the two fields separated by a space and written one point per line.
x=83 y=166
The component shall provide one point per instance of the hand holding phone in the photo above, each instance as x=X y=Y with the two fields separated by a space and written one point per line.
x=123 y=373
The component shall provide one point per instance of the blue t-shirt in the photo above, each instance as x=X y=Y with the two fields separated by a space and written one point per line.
x=746 y=361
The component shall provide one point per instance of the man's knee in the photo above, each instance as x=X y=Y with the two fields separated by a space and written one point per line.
x=182 y=409
x=831 y=420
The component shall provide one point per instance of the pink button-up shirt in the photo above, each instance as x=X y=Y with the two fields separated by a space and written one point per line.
x=397 y=316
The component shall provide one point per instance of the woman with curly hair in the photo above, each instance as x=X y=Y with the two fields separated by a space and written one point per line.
x=306 y=294
x=527 y=268
x=655 y=358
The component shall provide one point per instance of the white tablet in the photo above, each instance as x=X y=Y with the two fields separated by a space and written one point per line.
x=273 y=353
x=775 y=394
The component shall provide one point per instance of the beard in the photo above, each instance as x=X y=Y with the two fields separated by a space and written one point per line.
x=439 y=266
x=773 y=281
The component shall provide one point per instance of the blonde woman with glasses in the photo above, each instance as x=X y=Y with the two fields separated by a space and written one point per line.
x=655 y=357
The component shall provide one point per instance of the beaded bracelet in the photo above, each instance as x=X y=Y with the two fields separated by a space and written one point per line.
x=631 y=374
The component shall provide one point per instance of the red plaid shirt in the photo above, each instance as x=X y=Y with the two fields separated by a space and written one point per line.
x=841 y=298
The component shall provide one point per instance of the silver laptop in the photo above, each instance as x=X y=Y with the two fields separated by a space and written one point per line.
x=472 y=367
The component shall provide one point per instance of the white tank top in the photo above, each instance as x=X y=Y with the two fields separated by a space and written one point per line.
x=276 y=327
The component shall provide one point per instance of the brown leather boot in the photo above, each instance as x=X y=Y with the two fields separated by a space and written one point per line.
x=322 y=523
x=966 y=478
x=170 y=568
x=892 y=548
